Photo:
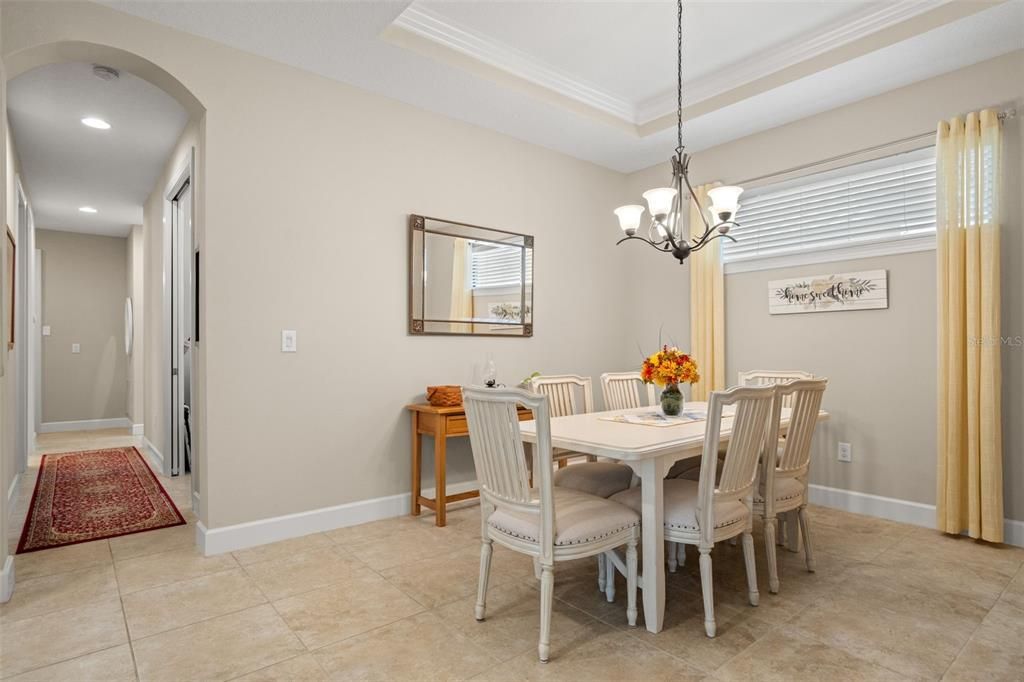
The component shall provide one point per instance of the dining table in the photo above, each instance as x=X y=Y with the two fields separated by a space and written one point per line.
x=650 y=451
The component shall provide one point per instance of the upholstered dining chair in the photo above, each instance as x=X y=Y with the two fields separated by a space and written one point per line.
x=782 y=487
x=603 y=479
x=548 y=523
x=622 y=390
x=702 y=512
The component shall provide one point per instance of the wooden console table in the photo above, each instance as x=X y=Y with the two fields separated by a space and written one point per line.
x=442 y=423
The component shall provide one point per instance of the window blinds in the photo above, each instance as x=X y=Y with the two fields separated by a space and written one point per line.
x=494 y=265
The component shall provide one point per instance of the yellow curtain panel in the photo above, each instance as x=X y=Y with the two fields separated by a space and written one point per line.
x=970 y=472
x=707 y=305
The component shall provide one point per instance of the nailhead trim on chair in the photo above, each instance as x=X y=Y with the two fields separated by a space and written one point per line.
x=581 y=541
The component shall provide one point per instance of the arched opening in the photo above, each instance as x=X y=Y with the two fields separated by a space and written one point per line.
x=166 y=299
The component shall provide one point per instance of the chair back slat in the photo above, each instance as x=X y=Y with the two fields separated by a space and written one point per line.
x=561 y=391
x=772 y=377
x=622 y=390
x=804 y=398
x=750 y=427
x=497 y=444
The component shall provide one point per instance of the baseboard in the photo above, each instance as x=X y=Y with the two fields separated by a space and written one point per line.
x=12 y=494
x=138 y=429
x=85 y=425
x=243 y=535
x=7 y=580
x=156 y=459
x=903 y=511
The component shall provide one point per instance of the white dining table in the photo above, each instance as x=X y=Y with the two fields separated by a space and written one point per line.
x=650 y=451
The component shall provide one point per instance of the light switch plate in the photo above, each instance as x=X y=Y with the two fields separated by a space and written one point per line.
x=46 y=330
x=76 y=348
x=289 y=341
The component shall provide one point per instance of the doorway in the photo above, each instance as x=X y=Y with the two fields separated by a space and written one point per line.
x=183 y=292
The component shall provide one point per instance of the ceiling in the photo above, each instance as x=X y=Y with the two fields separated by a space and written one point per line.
x=596 y=80
x=66 y=165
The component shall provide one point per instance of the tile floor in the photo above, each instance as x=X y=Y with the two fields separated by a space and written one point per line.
x=393 y=600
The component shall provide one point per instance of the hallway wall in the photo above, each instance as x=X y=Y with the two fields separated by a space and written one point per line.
x=135 y=282
x=84 y=288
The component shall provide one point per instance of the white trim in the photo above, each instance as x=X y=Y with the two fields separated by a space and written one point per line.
x=85 y=425
x=793 y=52
x=12 y=494
x=138 y=429
x=253 y=533
x=7 y=580
x=902 y=511
x=922 y=243
x=155 y=457
x=428 y=23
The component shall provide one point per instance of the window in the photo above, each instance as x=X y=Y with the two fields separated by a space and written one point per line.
x=887 y=205
x=493 y=265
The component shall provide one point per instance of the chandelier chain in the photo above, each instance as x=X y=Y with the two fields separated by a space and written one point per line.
x=679 y=76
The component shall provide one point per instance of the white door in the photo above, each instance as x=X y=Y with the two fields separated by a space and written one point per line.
x=181 y=321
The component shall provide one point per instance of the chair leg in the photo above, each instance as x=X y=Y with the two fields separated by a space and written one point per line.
x=707 y=588
x=670 y=554
x=601 y=572
x=780 y=539
x=485 y=574
x=733 y=541
x=806 y=532
x=793 y=531
x=547 y=589
x=681 y=553
x=631 y=582
x=770 y=529
x=609 y=580
x=748 y=559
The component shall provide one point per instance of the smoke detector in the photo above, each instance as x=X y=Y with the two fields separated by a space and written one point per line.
x=105 y=73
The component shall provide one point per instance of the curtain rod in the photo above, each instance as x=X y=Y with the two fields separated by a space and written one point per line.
x=1002 y=116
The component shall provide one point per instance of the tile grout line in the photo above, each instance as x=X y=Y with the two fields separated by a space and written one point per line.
x=124 y=614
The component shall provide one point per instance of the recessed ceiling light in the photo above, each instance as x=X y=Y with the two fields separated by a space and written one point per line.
x=87 y=209
x=97 y=123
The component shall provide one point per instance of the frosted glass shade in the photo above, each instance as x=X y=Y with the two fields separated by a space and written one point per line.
x=725 y=199
x=629 y=217
x=659 y=201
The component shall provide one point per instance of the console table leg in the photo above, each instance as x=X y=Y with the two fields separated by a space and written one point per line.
x=417 y=464
x=440 y=497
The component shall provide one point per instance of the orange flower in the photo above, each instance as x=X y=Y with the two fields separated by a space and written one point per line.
x=669 y=366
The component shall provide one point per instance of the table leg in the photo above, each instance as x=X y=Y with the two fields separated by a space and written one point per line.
x=440 y=497
x=652 y=475
x=417 y=464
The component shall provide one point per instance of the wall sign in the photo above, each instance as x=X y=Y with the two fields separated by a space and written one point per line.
x=826 y=293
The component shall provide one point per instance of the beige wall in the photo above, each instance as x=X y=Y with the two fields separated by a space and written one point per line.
x=84 y=288
x=6 y=453
x=881 y=364
x=135 y=282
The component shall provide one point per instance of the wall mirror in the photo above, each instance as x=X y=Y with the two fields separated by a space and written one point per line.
x=468 y=280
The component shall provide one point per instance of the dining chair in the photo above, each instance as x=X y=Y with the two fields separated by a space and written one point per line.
x=603 y=479
x=548 y=523
x=782 y=485
x=702 y=512
x=622 y=391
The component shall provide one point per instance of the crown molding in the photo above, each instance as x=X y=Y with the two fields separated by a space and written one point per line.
x=431 y=25
x=861 y=25
x=436 y=27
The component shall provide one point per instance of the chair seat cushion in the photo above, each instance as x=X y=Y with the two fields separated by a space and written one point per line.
x=785 y=489
x=603 y=479
x=681 y=505
x=579 y=518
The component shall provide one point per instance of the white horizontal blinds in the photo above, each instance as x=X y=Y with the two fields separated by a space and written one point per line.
x=880 y=201
x=495 y=265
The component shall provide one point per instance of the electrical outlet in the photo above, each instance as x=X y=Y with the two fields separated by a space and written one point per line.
x=845 y=452
x=289 y=341
x=76 y=348
x=46 y=330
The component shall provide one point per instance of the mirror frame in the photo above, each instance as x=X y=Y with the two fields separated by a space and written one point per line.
x=417 y=223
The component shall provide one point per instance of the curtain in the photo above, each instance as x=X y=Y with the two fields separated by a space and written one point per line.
x=970 y=477
x=462 y=289
x=707 y=305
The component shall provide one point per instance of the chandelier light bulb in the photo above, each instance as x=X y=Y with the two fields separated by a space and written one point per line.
x=659 y=201
x=629 y=217
x=725 y=199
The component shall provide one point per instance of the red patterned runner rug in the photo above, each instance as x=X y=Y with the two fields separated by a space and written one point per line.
x=83 y=496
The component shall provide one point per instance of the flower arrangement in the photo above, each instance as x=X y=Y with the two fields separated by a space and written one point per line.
x=668 y=368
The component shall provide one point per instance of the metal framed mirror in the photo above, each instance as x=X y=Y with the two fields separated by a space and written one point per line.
x=466 y=280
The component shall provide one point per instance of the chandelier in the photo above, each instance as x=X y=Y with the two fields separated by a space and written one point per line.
x=666 y=204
